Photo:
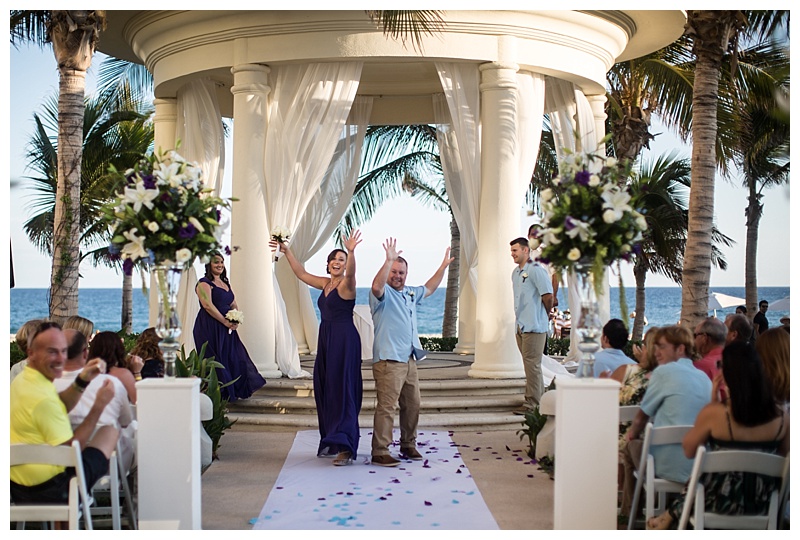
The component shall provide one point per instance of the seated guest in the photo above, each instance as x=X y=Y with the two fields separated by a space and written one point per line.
x=612 y=341
x=118 y=411
x=109 y=347
x=709 y=339
x=676 y=393
x=750 y=420
x=22 y=342
x=739 y=328
x=81 y=324
x=773 y=348
x=634 y=378
x=147 y=348
x=39 y=416
x=741 y=310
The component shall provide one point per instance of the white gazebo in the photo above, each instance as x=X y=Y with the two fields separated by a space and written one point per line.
x=301 y=87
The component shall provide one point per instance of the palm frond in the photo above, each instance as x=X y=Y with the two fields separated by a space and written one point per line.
x=410 y=24
x=29 y=27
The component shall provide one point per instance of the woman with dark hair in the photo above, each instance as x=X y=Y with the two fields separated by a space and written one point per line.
x=750 y=419
x=147 y=348
x=109 y=347
x=773 y=349
x=337 y=368
x=220 y=335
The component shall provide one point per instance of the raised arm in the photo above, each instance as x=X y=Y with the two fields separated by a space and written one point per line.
x=318 y=282
x=348 y=285
x=379 y=282
x=432 y=284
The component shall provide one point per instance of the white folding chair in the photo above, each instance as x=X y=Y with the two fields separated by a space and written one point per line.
x=646 y=475
x=627 y=413
x=114 y=483
x=66 y=456
x=722 y=461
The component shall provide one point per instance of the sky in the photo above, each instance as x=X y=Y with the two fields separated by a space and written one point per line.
x=422 y=233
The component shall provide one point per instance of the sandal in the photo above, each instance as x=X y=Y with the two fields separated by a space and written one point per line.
x=659 y=523
x=343 y=458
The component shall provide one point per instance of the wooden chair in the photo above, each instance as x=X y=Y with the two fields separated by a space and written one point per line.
x=646 y=477
x=78 y=502
x=722 y=461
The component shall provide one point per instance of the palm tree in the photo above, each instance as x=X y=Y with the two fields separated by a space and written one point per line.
x=712 y=34
x=663 y=185
x=74 y=36
x=110 y=137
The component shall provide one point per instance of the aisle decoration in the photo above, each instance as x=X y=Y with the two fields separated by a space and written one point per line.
x=590 y=220
x=166 y=218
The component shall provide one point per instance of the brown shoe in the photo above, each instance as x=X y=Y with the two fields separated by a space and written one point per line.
x=385 y=461
x=410 y=453
x=343 y=458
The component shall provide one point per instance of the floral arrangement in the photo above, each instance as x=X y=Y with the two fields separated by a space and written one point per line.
x=164 y=214
x=280 y=234
x=590 y=219
x=235 y=316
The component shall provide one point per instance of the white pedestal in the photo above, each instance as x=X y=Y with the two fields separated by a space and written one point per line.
x=585 y=489
x=168 y=411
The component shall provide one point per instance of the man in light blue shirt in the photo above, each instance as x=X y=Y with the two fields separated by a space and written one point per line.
x=533 y=300
x=610 y=357
x=396 y=350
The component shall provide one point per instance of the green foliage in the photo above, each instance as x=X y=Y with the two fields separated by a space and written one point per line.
x=197 y=365
x=16 y=354
x=438 y=344
x=557 y=347
x=548 y=465
x=533 y=423
x=628 y=348
x=128 y=340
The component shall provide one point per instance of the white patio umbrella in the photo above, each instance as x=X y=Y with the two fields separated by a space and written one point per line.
x=721 y=301
x=780 y=305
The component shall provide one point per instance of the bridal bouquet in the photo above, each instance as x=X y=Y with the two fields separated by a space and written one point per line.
x=164 y=213
x=591 y=219
x=280 y=234
x=235 y=316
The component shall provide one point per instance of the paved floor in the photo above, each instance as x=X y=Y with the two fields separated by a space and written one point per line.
x=517 y=492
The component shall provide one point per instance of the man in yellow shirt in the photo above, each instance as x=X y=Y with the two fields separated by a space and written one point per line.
x=39 y=416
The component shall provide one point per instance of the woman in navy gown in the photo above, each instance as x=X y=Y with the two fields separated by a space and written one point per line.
x=223 y=343
x=337 y=368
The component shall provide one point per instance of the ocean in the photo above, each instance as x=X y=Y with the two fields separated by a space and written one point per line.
x=103 y=306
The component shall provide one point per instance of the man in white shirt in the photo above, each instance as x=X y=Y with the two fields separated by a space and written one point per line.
x=611 y=356
x=117 y=413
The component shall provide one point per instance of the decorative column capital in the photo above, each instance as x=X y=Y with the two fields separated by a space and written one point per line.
x=166 y=110
x=598 y=104
x=498 y=75
x=250 y=79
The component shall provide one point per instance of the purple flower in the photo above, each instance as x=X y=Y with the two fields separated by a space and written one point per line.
x=582 y=178
x=219 y=216
x=166 y=197
x=544 y=260
x=228 y=250
x=569 y=223
x=637 y=248
x=127 y=267
x=187 y=232
x=149 y=181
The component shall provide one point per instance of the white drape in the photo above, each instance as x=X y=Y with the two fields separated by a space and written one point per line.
x=457 y=116
x=307 y=110
x=571 y=115
x=329 y=204
x=199 y=130
x=531 y=96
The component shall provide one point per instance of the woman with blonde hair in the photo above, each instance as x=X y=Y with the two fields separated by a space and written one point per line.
x=81 y=324
x=21 y=338
x=773 y=348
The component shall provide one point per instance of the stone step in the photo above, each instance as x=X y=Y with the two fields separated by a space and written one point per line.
x=428 y=387
x=465 y=421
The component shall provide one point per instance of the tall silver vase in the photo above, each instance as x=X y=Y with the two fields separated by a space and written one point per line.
x=589 y=327
x=168 y=327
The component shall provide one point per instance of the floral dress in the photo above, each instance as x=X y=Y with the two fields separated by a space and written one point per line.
x=631 y=392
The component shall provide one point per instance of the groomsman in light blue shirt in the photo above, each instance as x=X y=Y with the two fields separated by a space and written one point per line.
x=396 y=350
x=533 y=300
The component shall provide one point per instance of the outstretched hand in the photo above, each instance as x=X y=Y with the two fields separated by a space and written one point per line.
x=447 y=258
x=390 y=246
x=351 y=242
x=279 y=246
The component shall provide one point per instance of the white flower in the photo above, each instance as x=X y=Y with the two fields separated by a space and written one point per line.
x=546 y=195
x=594 y=180
x=183 y=255
x=135 y=246
x=574 y=254
x=579 y=228
x=524 y=276
x=280 y=234
x=617 y=201
x=152 y=226
x=641 y=222
x=140 y=196
x=549 y=236
x=610 y=216
x=196 y=223
x=611 y=162
x=235 y=316
x=625 y=248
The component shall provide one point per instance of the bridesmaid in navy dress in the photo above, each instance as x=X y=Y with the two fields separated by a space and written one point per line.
x=337 y=368
x=223 y=343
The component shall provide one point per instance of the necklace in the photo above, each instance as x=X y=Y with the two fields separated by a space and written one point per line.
x=331 y=285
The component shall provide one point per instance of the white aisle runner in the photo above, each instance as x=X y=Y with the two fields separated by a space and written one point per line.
x=435 y=493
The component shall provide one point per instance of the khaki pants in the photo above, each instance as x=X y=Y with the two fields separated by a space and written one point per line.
x=631 y=454
x=395 y=382
x=531 y=345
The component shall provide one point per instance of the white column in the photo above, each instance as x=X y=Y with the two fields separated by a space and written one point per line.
x=164 y=127
x=251 y=262
x=496 y=353
x=587 y=426
x=466 y=312
x=598 y=103
x=168 y=454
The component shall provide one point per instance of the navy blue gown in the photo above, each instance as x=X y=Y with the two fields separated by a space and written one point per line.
x=227 y=349
x=337 y=376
